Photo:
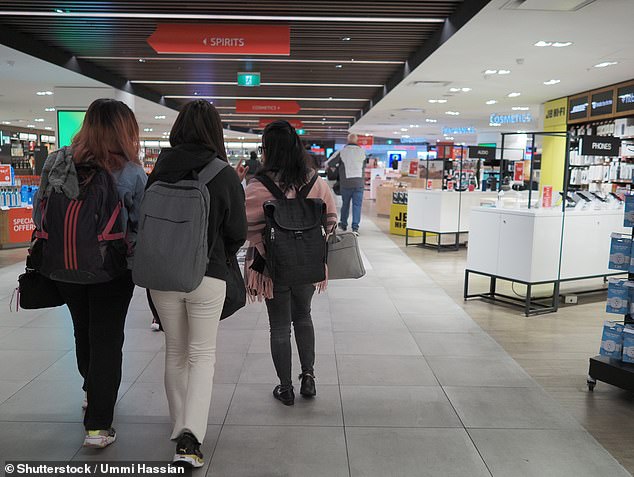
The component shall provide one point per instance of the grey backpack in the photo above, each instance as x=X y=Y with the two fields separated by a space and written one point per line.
x=171 y=251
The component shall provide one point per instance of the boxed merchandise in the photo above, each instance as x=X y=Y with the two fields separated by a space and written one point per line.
x=628 y=344
x=384 y=198
x=629 y=211
x=618 y=296
x=620 y=252
x=612 y=340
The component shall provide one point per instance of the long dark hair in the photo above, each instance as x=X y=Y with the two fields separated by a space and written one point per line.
x=284 y=155
x=199 y=123
x=108 y=136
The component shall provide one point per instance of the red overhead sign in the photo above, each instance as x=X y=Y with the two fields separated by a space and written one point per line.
x=250 y=106
x=215 y=39
x=366 y=141
x=296 y=123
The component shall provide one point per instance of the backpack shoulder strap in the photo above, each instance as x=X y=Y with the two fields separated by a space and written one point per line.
x=271 y=186
x=304 y=191
x=211 y=170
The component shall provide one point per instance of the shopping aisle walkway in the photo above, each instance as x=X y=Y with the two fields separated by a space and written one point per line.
x=408 y=385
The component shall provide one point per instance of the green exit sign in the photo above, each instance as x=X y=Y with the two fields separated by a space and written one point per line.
x=248 y=79
x=301 y=132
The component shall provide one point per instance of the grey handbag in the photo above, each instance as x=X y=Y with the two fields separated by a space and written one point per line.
x=344 y=258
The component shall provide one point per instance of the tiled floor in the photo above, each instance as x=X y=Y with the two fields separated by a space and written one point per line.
x=408 y=385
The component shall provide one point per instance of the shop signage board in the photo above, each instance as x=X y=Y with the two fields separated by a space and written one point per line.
x=249 y=79
x=221 y=39
x=463 y=130
x=366 y=142
x=5 y=174
x=578 y=108
x=257 y=106
x=547 y=197
x=296 y=123
x=481 y=152
x=602 y=103
x=519 y=171
x=625 y=99
x=496 y=118
x=600 y=145
x=20 y=224
x=555 y=113
x=413 y=169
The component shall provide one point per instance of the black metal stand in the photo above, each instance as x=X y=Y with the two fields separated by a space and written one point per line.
x=531 y=305
x=610 y=371
x=440 y=247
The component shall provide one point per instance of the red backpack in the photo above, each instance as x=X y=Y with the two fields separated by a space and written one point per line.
x=82 y=240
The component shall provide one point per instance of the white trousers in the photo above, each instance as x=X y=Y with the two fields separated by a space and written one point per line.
x=190 y=321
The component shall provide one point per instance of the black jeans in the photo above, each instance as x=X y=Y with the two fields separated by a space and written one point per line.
x=291 y=304
x=99 y=313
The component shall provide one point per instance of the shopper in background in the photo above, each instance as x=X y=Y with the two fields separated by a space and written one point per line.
x=190 y=320
x=252 y=166
x=351 y=163
x=284 y=161
x=107 y=140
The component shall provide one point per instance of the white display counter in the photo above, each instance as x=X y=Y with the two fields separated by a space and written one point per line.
x=523 y=245
x=443 y=212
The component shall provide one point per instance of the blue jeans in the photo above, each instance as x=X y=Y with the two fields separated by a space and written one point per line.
x=356 y=196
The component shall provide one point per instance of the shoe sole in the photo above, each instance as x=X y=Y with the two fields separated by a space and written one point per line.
x=307 y=395
x=98 y=443
x=286 y=403
x=187 y=461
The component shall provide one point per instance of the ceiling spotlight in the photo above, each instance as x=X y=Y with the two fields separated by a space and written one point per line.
x=431 y=120
x=142 y=60
x=491 y=101
x=338 y=66
x=39 y=120
x=504 y=72
x=490 y=72
x=346 y=38
x=606 y=63
x=521 y=108
x=552 y=82
x=542 y=43
x=452 y=113
x=48 y=110
x=514 y=95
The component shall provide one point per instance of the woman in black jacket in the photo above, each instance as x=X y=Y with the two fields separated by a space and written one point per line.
x=191 y=319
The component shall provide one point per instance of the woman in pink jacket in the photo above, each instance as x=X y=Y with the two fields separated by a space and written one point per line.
x=284 y=161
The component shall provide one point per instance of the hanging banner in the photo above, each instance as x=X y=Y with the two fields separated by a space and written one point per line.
x=250 y=106
x=296 y=123
x=220 y=39
x=519 y=171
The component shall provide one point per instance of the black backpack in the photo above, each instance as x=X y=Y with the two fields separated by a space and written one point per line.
x=295 y=236
x=82 y=240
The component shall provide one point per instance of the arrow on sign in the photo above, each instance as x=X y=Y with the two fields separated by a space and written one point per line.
x=248 y=106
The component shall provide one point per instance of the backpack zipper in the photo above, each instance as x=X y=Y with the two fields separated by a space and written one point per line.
x=272 y=233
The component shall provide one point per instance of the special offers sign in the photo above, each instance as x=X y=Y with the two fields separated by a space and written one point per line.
x=216 y=39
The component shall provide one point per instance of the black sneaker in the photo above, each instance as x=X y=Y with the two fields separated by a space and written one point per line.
x=284 y=394
x=343 y=227
x=308 y=385
x=188 y=452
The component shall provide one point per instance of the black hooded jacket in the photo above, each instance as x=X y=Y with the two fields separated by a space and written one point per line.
x=227 y=215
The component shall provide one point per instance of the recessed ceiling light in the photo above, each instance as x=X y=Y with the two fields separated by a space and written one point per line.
x=431 y=120
x=490 y=72
x=346 y=38
x=452 y=113
x=405 y=136
x=6 y=122
x=159 y=117
x=491 y=101
x=323 y=119
x=338 y=66
x=148 y=129
x=44 y=93
x=39 y=120
x=514 y=95
x=48 y=128
x=48 y=110
x=521 y=108
x=561 y=44
x=437 y=100
x=142 y=60
x=542 y=43
x=30 y=126
x=606 y=63
x=454 y=90
x=495 y=124
x=465 y=90
x=552 y=82
x=395 y=132
x=504 y=72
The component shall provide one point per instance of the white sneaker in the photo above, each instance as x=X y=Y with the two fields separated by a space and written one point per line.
x=155 y=326
x=100 y=439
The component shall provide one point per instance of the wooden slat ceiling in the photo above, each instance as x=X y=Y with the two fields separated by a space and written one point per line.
x=118 y=45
